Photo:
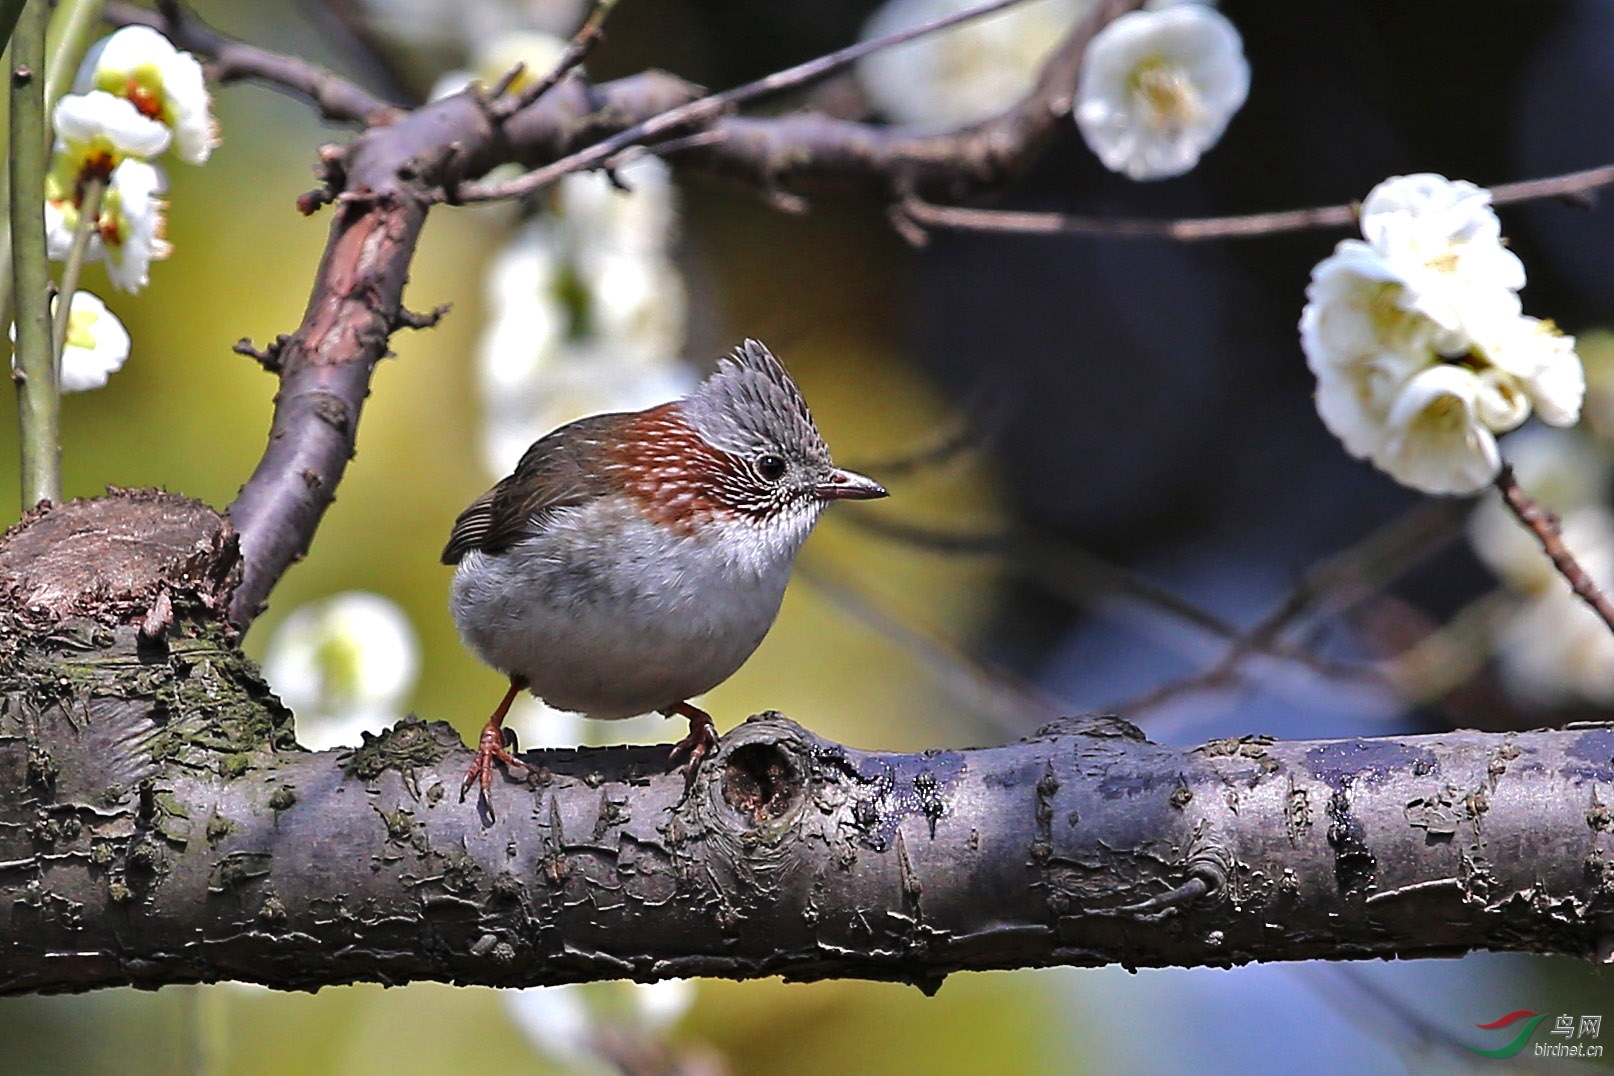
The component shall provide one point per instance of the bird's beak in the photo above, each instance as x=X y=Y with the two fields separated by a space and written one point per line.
x=841 y=485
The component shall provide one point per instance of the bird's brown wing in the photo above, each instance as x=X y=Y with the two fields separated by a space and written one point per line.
x=562 y=469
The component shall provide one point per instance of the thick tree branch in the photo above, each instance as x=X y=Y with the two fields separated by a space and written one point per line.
x=158 y=825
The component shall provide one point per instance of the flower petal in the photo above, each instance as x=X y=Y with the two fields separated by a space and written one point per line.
x=1435 y=441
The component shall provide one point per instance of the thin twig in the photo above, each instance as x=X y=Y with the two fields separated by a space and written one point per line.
x=709 y=107
x=1187 y=230
x=1544 y=525
x=1329 y=587
x=38 y=405
x=1065 y=570
x=1196 y=229
x=336 y=98
x=577 y=49
x=89 y=215
x=970 y=430
x=1004 y=700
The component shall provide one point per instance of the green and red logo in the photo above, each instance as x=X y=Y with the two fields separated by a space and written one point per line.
x=1519 y=1040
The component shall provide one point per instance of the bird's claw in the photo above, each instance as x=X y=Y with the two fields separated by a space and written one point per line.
x=490 y=748
x=701 y=741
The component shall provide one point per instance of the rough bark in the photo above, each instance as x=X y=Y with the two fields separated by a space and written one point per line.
x=158 y=824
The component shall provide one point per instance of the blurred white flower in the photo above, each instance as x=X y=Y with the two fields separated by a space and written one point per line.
x=141 y=66
x=96 y=130
x=1158 y=88
x=1435 y=441
x=1568 y=474
x=662 y=1004
x=967 y=73
x=585 y=311
x=1551 y=649
x=97 y=345
x=538 y=725
x=463 y=24
x=1445 y=241
x=130 y=231
x=557 y=1022
x=1554 y=650
x=497 y=56
x=1361 y=343
x=563 y=1022
x=1416 y=337
x=344 y=665
x=1542 y=361
x=639 y=220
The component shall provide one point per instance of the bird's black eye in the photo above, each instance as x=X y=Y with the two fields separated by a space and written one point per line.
x=771 y=467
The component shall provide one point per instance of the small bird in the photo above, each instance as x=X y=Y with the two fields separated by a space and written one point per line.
x=636 y=559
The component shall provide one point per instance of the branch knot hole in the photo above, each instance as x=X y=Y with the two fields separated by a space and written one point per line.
x=761 y=783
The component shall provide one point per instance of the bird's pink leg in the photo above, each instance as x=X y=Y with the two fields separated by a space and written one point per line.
x=490 y=748
x=702 y=738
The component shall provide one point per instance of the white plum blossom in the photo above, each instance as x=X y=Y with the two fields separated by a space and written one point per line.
x=1158 y=87
x=140 y=65
x=344 y=665
x=1446 y=241
x=128 y=232
x=96 y=347
x=94 y=131
x=1361 y=343
x=966 y=73
x=131 y=224
x=1434 y=439
x=1543 y=363
x=1416 y=336
x=586 y=311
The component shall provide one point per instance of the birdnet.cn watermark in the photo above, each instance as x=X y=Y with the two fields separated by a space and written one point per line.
x=1569 y=1035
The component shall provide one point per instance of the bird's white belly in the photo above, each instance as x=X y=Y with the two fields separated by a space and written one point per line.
x=610 y=615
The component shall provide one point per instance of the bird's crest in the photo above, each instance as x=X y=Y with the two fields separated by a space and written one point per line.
x=750 y=404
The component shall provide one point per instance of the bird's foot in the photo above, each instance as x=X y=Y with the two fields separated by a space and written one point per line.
x=702 y=739
x=491 y=748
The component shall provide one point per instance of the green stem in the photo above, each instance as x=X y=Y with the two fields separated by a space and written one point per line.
x=71 y=27
x=38 y=407
x=89 y=213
